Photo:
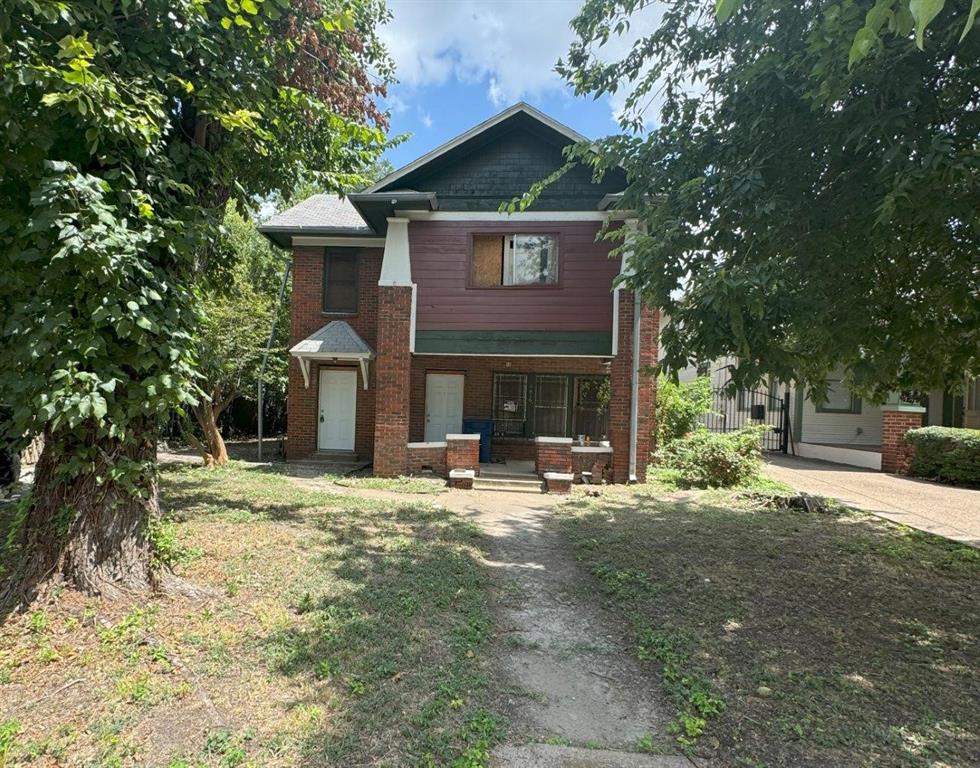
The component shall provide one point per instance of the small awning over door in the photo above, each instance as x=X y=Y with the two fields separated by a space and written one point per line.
x=334 y=342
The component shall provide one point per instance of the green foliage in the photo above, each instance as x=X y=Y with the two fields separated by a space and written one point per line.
x=794 y=205
x=704 y=459
x=124 y=130
x=680 y=407
x=167 y=548
x=946 y=454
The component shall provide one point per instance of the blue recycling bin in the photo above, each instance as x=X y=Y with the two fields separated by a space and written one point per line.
x=483 y=428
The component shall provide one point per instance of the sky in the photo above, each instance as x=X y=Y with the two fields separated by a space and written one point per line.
x=459 y=62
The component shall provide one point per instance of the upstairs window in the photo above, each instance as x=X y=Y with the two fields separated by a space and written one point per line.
x=501 y=261
x=340 y=283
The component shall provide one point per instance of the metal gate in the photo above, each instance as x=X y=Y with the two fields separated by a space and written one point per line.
x=732 y=411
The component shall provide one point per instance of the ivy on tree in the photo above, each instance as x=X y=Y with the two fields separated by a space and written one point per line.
x=808 y=192
x=125 y=129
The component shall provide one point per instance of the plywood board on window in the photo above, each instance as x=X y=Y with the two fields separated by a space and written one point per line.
x=488 y=260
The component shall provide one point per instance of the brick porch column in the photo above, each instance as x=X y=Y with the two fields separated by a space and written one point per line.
x=620 y=381
x=897 y=418
x=394 y=353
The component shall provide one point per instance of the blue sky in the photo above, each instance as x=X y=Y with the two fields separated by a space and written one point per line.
x=460 y=61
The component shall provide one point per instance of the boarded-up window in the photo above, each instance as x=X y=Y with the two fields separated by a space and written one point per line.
x=340 y=283
x=488 y=260
x=504 y=260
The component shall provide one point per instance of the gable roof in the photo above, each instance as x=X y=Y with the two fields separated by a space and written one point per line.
x=562 y=131
x=336 y=338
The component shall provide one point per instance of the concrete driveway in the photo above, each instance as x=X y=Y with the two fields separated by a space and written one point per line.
x=940 y=509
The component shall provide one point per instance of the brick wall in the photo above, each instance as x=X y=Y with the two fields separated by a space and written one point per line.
x=599 y=464
x=620 y=386
x=553 y=456
x=463 y=454
x=432 y=458
x=896 y=454
x=478 y=385
x=393 y=367
x=306 y=316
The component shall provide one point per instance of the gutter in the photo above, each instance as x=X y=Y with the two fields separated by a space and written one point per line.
x=635 y=384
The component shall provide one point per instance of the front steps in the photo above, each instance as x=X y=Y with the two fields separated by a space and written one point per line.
x=501 y=477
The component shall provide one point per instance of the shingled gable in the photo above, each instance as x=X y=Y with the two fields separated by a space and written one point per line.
x=491 y=163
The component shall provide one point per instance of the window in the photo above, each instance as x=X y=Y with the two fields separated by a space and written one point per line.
x=839 y=399
x=552 y=405
x=340 y=283
x=511 y=260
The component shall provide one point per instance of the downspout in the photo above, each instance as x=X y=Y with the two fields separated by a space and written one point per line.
x=635 y=383
x=268 y=347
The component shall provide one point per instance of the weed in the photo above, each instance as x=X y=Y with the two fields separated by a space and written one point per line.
x=166 y=548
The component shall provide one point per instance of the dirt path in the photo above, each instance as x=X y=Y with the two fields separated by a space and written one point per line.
x=570 y=681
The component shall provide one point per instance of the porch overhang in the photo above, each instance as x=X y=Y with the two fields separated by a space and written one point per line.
x=334 y=342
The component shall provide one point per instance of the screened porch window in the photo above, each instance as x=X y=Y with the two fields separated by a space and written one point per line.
x=550 y=405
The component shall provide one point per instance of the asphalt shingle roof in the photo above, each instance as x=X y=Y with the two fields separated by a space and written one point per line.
x=335 y=338
x=320 y=211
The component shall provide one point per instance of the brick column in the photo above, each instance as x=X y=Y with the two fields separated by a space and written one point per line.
x=896 y=420
x=392 y=375
x=552 y=454
x=463 y=452
x=620 y=381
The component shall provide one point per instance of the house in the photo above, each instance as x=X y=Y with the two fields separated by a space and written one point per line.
x=843 y=428
x=417 y=307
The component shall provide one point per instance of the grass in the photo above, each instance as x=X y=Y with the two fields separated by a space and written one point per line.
x=340 y=631
x=398 y=484
x=792 y=638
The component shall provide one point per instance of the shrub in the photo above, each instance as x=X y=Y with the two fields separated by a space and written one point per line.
x=704 y=459
x=946 y=454
x=680 y=408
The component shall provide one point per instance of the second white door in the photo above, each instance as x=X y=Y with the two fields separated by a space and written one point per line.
x=443 y=405
x=338 y=404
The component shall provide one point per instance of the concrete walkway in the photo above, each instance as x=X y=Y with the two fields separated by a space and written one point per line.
x=940 y=509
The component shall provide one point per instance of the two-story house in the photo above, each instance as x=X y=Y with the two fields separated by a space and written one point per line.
x=416 y=305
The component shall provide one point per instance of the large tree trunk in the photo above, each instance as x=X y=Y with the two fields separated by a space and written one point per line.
x=88 y=532
x=212 y=447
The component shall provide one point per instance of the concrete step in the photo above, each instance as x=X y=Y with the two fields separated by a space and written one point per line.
x=554 y=756
x=513 y=484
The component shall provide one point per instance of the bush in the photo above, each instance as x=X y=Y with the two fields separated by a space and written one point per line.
x=680 y=408
x=704 y=459
x=946 y=454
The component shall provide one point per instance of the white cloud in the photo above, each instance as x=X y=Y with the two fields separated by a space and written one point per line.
x=427 y=120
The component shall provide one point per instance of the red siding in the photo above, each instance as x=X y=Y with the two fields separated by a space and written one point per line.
x=440 y=252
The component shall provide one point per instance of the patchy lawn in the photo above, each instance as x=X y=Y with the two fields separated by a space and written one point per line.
x=794 y=638
x=342 y=631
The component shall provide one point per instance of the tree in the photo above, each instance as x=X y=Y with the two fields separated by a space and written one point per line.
x=801 y=208
x=125 y=128
x=239 y=306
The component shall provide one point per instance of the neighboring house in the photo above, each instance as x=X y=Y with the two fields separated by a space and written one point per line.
x=416 y=305
x=844 y=428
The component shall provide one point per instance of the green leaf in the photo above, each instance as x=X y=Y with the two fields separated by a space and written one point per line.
x=924 y=11
x=864 y=41
x=974 y=9
x=99 y=406
x=226 y=22
x=249 y=6
x=725 y=8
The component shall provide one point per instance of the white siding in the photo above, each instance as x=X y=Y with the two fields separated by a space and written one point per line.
x=841 y=428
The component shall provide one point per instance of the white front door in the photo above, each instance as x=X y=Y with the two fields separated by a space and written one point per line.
x=338 y=405
x=443 y=405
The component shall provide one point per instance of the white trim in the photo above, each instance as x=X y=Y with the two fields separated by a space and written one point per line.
x=396 y=266
x=554 y=440
x=468 y=436
x=517 y=216
x=591 y=449
x=615 y=321
x=433 y=444
x=462 y=474
x=475 y=131
x=565 y=477
x=361 y=358
x=340 y=242
x=411 y=319
x=502 y=354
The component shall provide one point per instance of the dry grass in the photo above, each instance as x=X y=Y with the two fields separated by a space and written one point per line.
x=793 y=638
x=342 y=631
